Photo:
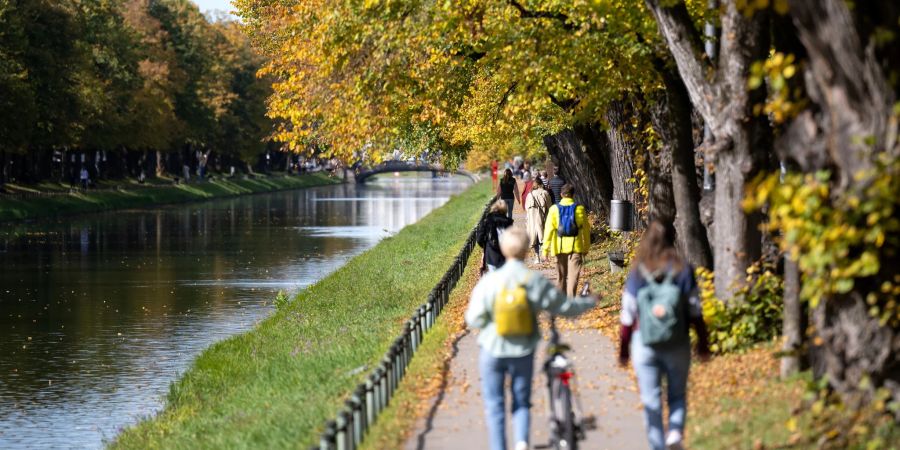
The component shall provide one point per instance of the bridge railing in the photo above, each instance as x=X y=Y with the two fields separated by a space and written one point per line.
x=348 y=429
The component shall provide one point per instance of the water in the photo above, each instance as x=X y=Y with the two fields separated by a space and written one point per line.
x=99 y=313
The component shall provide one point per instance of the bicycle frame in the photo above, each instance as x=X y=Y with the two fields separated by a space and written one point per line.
x=565 y=425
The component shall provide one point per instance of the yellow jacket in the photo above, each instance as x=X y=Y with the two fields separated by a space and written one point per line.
x=555 y=244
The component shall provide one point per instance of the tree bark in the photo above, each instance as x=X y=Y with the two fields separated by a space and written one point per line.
x=740 y=139
x=671 y=116
x=580 y=162
x=847 y=127
x=794 y=321
x=160 y=167
x=621 y=152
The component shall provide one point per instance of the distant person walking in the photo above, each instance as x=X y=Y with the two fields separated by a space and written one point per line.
x=526 y=187
x=85 y=178
x=537 y=205
x=488 y=235
x=659 y=303
x=567 y=235
x=504 y=305
x=508 y=190
x=555 y=185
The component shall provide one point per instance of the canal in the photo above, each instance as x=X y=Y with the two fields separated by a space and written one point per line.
x=99 y=313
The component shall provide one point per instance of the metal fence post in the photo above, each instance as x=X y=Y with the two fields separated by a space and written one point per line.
x=371 y=399
x=355 y=405
x=388 y=379
x=341 y=427
x=420 y=316
x=327 y=442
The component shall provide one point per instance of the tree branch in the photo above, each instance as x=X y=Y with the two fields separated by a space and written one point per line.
x=686 y=47
x=566 y=105
x=529 y=14
x=505 y=98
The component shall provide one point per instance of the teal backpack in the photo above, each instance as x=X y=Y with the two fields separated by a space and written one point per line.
x=661 y=314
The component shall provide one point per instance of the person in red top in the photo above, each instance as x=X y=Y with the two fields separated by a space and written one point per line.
x=529 y=184
x=658 y=259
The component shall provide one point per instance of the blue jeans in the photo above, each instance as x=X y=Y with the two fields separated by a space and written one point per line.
x=493 y=373
x=510 y=203
x=650 y=364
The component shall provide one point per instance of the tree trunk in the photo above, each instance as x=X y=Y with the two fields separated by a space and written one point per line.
x=794 y=321
x=621 y=153
x=3 y=169
x=740 y=139
x=160 y=167
x=671 y=116
x=845 y=130
x=580 y=162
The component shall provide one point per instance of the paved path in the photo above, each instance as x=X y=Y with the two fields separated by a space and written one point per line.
x=456 y=415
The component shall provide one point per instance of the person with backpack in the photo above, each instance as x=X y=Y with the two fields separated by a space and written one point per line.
x=567 y=235
x=488 y=234
x=508 y=191
x=537 y=205
x=504 y=305
x=659 y=304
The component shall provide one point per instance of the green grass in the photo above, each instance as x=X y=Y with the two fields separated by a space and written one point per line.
x=427 y=370
x=273 y=387
x=131 y=196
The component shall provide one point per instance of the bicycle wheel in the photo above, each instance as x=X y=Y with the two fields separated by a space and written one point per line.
x=565 y=417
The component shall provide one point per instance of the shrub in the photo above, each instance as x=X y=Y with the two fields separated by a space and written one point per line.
x=753 y=315
x=281 y=300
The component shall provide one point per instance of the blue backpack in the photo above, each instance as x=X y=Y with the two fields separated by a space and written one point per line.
x=567 y=226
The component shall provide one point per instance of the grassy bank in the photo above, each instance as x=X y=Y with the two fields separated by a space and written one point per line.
x=136 y=196
x=428 y=372
x=275 y=385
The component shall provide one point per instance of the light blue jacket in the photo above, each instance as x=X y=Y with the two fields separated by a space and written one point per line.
x=542 y=295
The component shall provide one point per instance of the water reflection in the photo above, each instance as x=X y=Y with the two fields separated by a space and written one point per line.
x=98 y=314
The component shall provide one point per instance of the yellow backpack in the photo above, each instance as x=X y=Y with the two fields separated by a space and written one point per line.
x=512 y=312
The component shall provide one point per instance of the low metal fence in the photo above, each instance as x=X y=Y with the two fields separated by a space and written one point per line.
x=370 y=398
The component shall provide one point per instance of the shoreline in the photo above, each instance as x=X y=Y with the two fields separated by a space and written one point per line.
x=275 y=385
x=41 y=208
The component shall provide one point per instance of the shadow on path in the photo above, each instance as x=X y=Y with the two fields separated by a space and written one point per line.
x=445 y=381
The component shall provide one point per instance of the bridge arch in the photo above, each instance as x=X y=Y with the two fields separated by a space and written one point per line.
x=398 y=166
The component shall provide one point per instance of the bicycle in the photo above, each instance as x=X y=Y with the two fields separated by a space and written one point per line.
x=567 y=426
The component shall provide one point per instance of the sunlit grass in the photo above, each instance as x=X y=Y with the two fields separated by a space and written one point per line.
x=142 y=196
x=274 y=386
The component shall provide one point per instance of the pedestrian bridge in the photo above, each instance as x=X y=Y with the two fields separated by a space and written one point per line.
x=364 y=173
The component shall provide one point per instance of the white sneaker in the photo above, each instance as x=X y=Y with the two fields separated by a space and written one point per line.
x=521 y=445
x=673 y=440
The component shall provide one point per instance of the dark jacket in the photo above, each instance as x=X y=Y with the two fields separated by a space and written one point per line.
x=507 y=189
x=556 y=183
x=487 y=237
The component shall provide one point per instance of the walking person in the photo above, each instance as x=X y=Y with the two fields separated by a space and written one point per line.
x=537 y=205
x=659 y=303
x=567 y=235
x=526 y=187
x=555 y=185
x=508 y=190
x=504 y=305
x=488 y=234
x=85 y=178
